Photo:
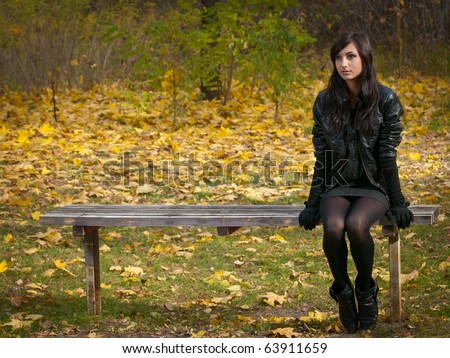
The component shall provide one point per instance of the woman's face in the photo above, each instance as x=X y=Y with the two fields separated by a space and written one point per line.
x=348 y=63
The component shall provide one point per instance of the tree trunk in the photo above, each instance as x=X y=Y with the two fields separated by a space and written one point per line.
x=229 y=81
x=400 y=42
x=212 y=88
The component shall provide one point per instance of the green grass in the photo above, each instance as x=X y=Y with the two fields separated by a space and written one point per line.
x=173 y=298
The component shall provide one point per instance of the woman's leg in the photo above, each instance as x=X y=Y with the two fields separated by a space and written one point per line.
x=333 y=211
x=363 y=213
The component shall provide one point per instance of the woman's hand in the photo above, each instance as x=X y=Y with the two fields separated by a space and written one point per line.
x=402 y=215
x=309 y=217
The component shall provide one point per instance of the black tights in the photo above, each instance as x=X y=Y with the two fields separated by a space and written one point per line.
x=354 y=216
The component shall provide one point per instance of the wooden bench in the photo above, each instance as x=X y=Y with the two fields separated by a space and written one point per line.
x=87 y=219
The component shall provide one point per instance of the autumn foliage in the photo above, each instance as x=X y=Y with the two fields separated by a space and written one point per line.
x=101 y=149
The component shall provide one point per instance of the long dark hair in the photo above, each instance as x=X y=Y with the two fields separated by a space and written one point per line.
x=337 y=96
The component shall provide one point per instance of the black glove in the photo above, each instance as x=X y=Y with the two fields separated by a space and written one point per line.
x=402 y=215
x=308 y=217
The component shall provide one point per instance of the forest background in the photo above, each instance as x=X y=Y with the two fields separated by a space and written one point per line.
x=202 y=102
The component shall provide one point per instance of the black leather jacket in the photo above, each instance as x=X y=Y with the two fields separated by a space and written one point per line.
x=331 y=148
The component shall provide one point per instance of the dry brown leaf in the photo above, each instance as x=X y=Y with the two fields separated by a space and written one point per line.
x=285 y=332
x=409 y=276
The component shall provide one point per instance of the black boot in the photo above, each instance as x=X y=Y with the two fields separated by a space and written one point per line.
x=368 y=307
x=347 y=307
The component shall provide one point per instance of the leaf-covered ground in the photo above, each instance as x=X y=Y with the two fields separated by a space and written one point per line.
x=114 y=145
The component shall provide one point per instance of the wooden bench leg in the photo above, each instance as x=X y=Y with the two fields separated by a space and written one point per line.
x=92 y=263
x=226 y=230
x=393 y=234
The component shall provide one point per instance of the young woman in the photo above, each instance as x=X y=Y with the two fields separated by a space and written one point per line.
x=355 y=182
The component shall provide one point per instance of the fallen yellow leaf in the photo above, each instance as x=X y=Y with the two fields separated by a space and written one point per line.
x=285 y=332
x=49 y=272
x=272 y=298
x=105 y=248
x=414 y=156
x=8 y=238
x=35 y=215
x=36 y=286
x=313 y=316
x=59 y=264
x=31 y=251
x=45 y=171
x=444 y=265
x=34 y=317
x=62 y=266
x=46 y=128
x=409 y=276
x=132 y=271
x=277 y=237
x=246 y=319
x=51 y=236
x=77 y=292
x=3 y=266
x=185 y=254
x=199 y=334
x=277 y=319
x=18 y=324
x=219 y=300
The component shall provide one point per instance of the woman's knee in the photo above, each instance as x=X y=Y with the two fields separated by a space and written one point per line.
x=356 y=227
x=333 y=228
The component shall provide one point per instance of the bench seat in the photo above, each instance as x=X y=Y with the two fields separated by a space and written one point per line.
x=195 y=215
x=86 y=219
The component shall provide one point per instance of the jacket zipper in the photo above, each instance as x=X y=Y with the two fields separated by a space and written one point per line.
x=364 y=163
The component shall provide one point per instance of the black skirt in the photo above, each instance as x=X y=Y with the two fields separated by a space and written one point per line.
x=357 y=191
